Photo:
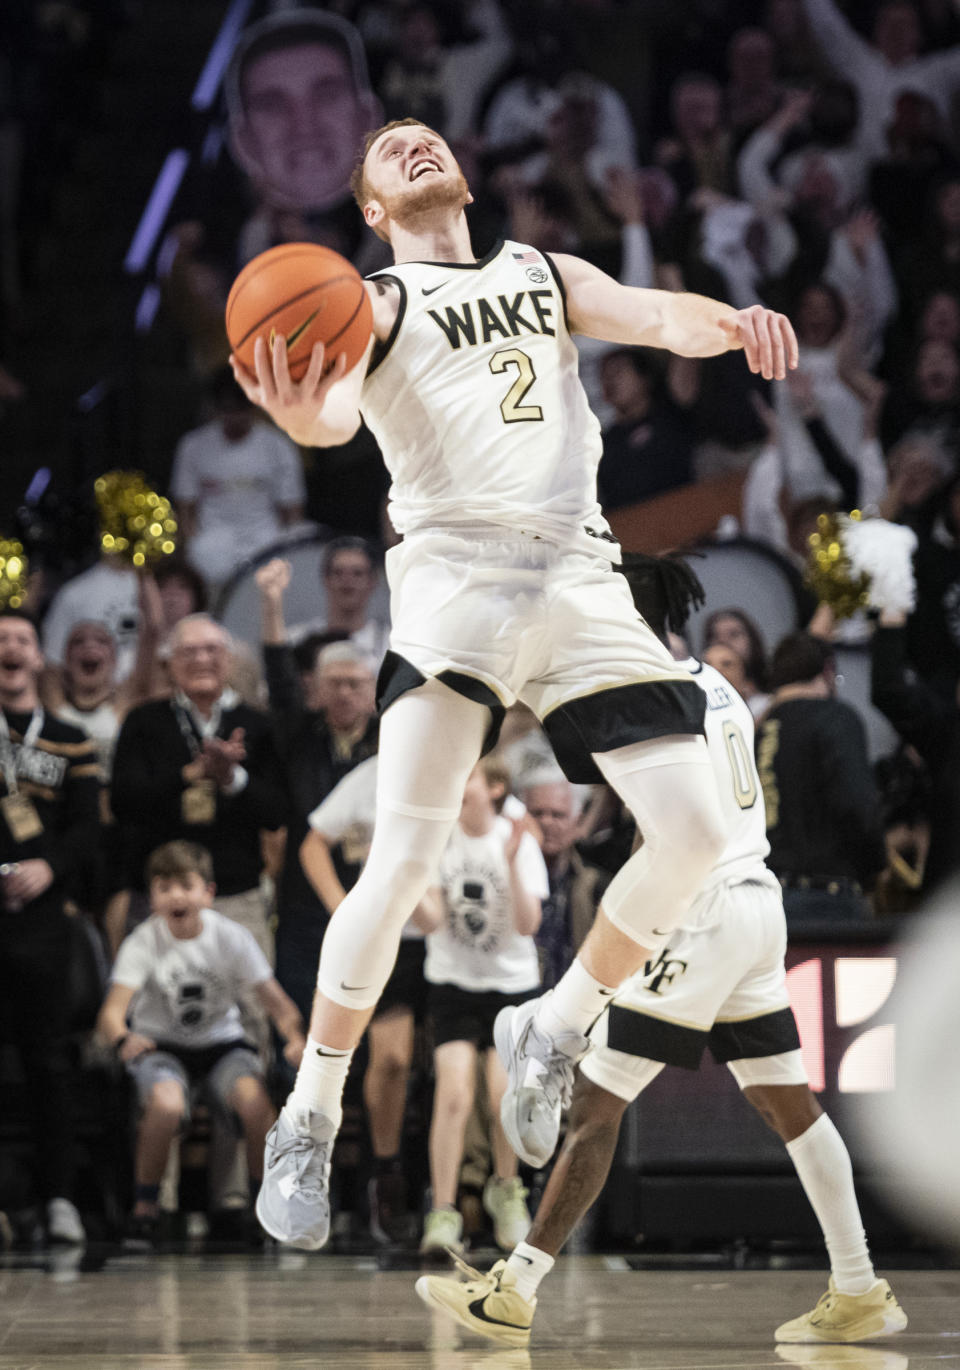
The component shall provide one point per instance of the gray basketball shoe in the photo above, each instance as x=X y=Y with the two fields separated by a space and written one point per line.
x=294 y=1200
x=539 y=1080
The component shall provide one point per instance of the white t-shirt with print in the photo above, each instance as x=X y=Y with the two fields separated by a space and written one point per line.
x=187 y=988
x=347 y=815
x=478 y=946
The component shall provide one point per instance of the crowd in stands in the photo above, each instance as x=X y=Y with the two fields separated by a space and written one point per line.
x=199 y=804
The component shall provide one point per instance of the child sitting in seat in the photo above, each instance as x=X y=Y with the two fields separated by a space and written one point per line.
x=172 y=1016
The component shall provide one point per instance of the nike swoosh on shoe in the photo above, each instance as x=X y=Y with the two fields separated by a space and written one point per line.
x=476 y=1308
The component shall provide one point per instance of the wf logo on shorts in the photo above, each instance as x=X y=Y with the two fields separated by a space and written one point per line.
x=663 y=971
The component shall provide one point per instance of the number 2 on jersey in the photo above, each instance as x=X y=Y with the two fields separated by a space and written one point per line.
x=741 y=770
x=511 y=408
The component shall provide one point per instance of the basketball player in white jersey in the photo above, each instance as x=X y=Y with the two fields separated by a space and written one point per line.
x=719 y=983
x=502 y=588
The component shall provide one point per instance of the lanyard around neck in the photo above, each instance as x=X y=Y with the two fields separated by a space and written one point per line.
x=192 y=726
x=8 y=762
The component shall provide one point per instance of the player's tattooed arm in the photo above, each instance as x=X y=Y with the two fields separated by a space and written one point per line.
x=385 y=298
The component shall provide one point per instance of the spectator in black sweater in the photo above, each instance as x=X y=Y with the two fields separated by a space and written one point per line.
x=48 y=829
x=202 y=766
x=929 y=722
x=318 y=747
x=933 y=630
x=823 y=809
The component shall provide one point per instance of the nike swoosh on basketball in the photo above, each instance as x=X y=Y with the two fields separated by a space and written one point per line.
x=433 y=288
x=299 y=331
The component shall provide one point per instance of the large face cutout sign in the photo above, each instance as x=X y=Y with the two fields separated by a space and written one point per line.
x=299 y=104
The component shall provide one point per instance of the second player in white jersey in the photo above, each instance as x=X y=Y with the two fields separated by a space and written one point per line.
x=719 y=984
x=729 y=730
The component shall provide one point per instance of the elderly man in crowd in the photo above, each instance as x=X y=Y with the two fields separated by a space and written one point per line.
x=575 y=886
x=202 y=766
x=318 y=747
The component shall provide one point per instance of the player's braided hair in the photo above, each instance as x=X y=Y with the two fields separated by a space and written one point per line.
x=665 y=589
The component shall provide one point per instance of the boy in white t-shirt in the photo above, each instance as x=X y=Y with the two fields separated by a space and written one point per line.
x=172 y=1016
x=480 y=958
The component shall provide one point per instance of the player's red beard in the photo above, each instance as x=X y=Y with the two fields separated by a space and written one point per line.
x=424 y=199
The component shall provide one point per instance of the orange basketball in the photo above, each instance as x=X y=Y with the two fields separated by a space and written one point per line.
x=309 y=294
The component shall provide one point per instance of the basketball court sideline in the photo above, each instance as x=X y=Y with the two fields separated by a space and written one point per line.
x=279 y=1311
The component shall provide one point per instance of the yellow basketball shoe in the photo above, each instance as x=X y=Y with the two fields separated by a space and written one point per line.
x=843 y=1357
x=486 y=1304
x=847 y=1317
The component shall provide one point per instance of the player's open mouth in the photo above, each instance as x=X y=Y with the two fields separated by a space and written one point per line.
x=11 y=664
x=418 y=168
x=179 y=913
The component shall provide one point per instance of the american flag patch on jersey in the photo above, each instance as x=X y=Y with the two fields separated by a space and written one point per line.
x=527 y=258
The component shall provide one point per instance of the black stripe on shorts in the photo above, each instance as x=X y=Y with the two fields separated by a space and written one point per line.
x=655 y=1039
x=769 y=1034
x=615 y=717
x=398 y=675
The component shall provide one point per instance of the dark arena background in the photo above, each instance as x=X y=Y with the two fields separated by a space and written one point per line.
x=804 y=154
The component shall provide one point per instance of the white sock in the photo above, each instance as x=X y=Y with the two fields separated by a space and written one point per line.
x=823 y=1164
x=529 y=1265
x=320 y=1080
x=575 y=1003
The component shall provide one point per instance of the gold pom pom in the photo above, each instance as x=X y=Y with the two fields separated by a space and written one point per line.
x=13 y=574
x=136 y=523
x=829 y=573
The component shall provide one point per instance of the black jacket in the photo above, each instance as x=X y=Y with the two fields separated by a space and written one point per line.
x=313 y=765
x=147 y=788
x=60 y=776
x=931 y=723
x=823 y=806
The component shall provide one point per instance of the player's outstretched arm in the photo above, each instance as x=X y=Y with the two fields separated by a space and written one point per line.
x=690 y=325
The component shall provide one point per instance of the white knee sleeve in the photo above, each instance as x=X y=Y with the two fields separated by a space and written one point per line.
x=361 y=942
x=430 y=740
x=668 y=786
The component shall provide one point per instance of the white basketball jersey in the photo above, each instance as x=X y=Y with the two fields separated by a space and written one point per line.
x=729 y=730
x=477 y=406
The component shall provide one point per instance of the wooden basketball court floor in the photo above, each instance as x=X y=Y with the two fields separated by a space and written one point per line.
x=279 y=1311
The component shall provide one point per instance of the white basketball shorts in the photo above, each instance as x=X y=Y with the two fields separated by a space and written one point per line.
x=501 y=618
x=720 y=984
